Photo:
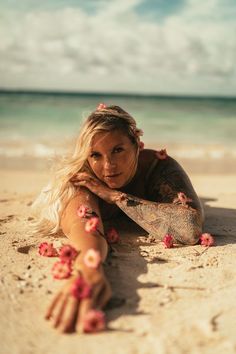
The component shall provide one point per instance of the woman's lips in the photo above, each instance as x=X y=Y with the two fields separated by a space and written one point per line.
x=112 y=176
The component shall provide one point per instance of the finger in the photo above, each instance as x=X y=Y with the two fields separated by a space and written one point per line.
x=69 y=314
x=103 y=297
x=86 y=184
x=85 y=306
x=58 y=311
x=53 y=304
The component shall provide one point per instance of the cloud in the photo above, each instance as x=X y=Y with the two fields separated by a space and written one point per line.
x=117 y=44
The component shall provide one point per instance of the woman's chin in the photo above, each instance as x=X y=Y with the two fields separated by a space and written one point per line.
x=114 y=184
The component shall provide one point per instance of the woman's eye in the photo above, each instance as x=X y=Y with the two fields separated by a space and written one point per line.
x=119 y=149
x=95 y=155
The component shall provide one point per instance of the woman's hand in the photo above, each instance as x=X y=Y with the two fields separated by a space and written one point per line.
x=96 y=186
x=67 y=312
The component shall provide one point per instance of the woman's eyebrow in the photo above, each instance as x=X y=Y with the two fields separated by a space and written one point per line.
x=114 y=147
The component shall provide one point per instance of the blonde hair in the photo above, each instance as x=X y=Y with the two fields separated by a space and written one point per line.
x=56 y=195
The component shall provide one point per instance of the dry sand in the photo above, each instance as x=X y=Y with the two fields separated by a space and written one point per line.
x=179 y=300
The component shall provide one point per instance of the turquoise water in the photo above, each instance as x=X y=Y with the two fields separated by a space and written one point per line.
x=51 y=117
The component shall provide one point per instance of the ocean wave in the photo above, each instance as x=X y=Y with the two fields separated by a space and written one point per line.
x=46 y=150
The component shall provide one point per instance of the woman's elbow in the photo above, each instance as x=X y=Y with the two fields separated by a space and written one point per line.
x=188 y=229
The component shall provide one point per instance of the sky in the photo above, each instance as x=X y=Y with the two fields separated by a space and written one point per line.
x=180 y=47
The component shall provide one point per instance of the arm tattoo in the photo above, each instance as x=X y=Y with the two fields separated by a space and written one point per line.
x=158 y=219
x=159 y=215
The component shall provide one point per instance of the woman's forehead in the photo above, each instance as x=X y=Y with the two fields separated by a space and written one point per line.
x=109 y=139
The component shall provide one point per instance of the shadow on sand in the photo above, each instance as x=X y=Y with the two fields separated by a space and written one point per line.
x=125 y=266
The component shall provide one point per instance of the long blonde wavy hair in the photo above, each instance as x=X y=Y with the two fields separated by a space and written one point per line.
x=55 y=196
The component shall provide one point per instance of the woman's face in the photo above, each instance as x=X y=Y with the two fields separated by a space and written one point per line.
x=113 y=158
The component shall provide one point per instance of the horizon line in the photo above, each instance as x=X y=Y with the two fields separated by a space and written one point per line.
x=111 y=94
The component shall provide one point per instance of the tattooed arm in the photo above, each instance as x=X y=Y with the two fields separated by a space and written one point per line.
x=163 y=212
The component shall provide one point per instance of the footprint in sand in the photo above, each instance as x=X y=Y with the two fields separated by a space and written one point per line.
x=6 y=219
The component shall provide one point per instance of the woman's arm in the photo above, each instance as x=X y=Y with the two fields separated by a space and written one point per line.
x=66 y=312
x=158 y=219
x=74 y=227
x=159 y=214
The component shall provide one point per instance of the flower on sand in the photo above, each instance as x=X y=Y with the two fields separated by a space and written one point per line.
x=80 y=289
x=161 y=154
x=67 y=253
x=101 y=106
x=47 y=250
x=61 y=270
x=82 y=211
x=112 y=235
x=207 y=240
x=168 y=241
x=91 y=224
x=92 y=258
x=94 y=321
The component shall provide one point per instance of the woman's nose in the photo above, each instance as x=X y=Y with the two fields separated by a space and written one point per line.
x=108 y=163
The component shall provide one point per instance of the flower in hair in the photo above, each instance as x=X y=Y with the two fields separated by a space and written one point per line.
x=61 y=270
x=101 y=106
x=138 y=132
x=80 y=289
x=92 y=258
x=47 y=250
x=112 y=236
x=161 y=154
x=207 y=240
x=141 y=145
x=94 y=321
x=91 y=224
x=168 y=241
x=67 y=253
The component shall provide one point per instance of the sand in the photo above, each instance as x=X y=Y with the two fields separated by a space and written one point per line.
x=179 y=300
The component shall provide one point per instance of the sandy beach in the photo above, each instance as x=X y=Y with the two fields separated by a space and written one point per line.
x=165 y=301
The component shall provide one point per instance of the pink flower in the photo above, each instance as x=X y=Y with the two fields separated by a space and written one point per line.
x=47 y=250
x=80 y=289
x=182 y=198
x=101 y=106
x=61 y=270
x=141 y=145
x=67 y=253
x=139 y=132
x=168 y=241
x=91 y=224
x=82 y=211
x=207 y=240
x=92 y=258
x=94 y=321
x=112 y=236
x=161 y=154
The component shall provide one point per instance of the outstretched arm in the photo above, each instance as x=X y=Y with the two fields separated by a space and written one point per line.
x=67 y=312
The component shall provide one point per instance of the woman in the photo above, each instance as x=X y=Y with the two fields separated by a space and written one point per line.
x=109 y=173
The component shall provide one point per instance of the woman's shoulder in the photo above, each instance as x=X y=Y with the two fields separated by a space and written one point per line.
x=150 y=159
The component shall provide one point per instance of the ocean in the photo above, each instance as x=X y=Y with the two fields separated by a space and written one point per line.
x=44 y=124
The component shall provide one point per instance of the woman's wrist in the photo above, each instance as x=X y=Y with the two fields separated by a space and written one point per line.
x=80 y=265
x=117 y=196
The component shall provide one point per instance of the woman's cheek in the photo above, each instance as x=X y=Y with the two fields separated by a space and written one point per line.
x=96 y=168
